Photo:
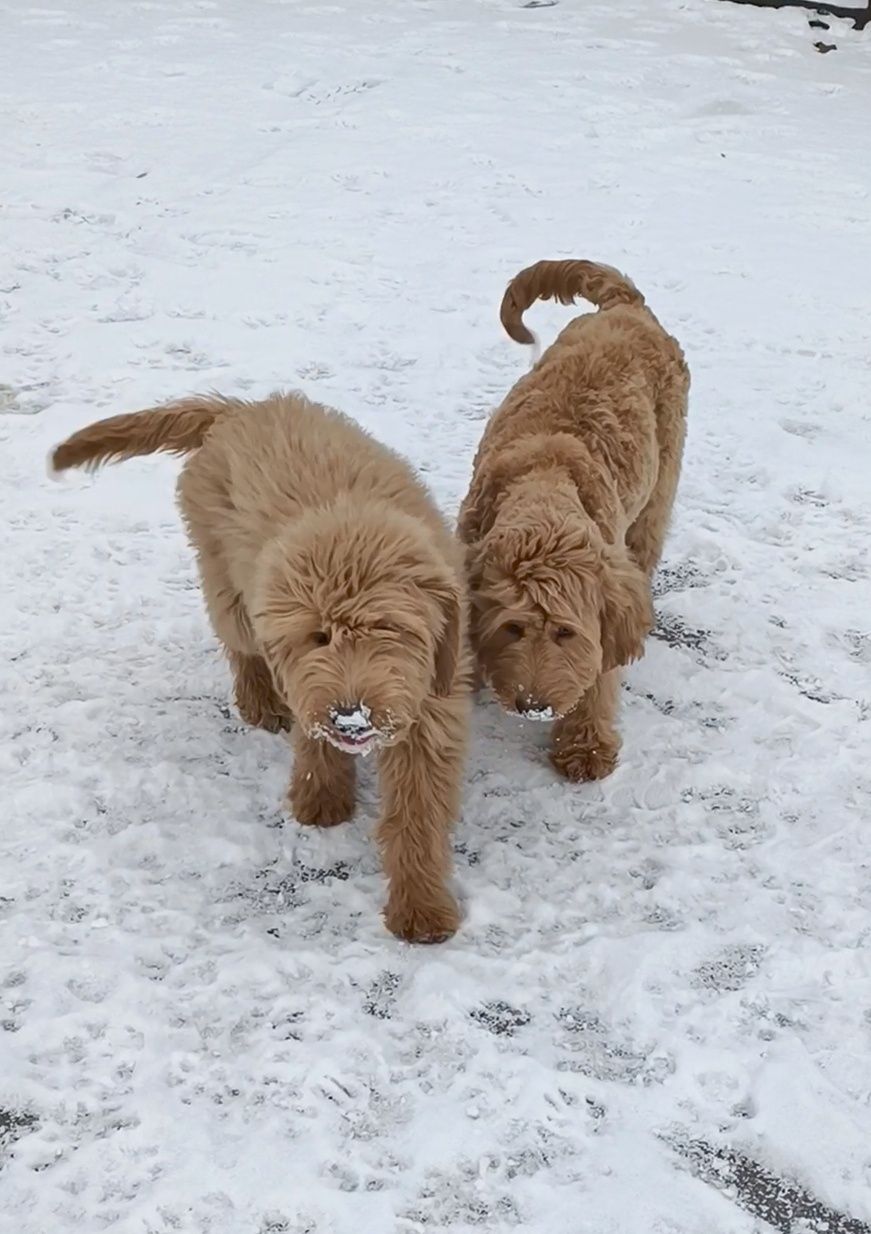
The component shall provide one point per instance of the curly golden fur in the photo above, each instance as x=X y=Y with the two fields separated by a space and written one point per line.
x=568 y=508
x=339 y=595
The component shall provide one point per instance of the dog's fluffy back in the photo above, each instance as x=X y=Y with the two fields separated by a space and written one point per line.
x=315 y=456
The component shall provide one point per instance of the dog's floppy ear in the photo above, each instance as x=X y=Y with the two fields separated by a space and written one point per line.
x=448 y=645
x=627 y=609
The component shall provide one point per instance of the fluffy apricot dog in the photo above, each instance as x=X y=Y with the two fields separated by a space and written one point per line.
x=570 y=499
x=338 y=593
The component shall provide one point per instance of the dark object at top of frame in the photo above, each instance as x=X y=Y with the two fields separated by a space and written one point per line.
x=860 y=17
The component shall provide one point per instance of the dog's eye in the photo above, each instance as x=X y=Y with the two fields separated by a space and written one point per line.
x=320 y=638
x=562 y=634
x=514 y=629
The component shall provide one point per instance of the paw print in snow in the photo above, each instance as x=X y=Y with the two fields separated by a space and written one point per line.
x=501 y=1018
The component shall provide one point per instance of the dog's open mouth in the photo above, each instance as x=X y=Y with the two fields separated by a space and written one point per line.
x=353 y=730
x=350 y=729
x=543 y=715
x=355 y=743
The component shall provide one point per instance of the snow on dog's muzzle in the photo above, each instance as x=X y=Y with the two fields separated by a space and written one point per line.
x=351 y=729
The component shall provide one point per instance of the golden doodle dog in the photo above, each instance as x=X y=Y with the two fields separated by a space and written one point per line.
x=339 y=595
x=570 y=499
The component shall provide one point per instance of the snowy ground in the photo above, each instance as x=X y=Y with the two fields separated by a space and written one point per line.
x=205 y=1026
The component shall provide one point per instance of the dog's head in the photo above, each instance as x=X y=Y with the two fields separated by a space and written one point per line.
x=553 y=607
x=359 y=618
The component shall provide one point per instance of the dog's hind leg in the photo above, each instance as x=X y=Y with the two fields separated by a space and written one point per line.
x=257 y=700
x=585 y=742
x=323 y=788
x=421 y=779
x=646 y=537
x=203 y=499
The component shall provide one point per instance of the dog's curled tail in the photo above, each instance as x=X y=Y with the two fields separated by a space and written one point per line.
x=176 y=428
x=564 y=281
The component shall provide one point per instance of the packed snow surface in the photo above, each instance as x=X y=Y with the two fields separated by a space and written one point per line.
x=204 y=1025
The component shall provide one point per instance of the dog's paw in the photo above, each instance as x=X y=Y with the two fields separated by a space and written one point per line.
x=580 y=764
x=317 y=806
x=413 y=922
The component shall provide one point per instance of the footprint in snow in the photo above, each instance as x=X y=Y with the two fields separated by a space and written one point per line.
x=501 y=1018
x=730 y=970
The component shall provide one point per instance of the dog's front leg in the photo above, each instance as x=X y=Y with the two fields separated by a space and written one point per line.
x=420 y=785
x=585 y=742
x=323 y=788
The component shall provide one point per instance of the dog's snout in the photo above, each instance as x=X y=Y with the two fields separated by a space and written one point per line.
x=532 y=708
x=351 y=718
x=352 y=728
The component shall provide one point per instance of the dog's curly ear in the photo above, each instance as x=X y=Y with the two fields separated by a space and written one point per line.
x=447 y=653
x=627 y=609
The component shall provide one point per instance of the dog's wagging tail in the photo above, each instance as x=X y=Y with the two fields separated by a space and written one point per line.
x=564 y=281
x=177 y=428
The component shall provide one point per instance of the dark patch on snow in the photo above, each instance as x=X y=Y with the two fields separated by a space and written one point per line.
x=277 y=893
x=448 y=1200
x=596 y=1112
x=689 y=709
x=679 y=576
x=472 y=855
x=287 y=1028
x=381 y=996
x=275 y=1222
x=648 y=871
x=810 y=687
x=785 y=1205
x=858 y=646
x=737 y=818
x=309 y=874
x=807 y=496
x=663 y=705
x=501 y=1018
x=597 y=1052
x=13 y=1125
x=663 y=918
x=730 y=970
x=848 y=570
x=672 y=630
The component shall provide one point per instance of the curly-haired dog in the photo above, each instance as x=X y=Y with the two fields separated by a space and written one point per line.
x=338 y=593
x=566 y=515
